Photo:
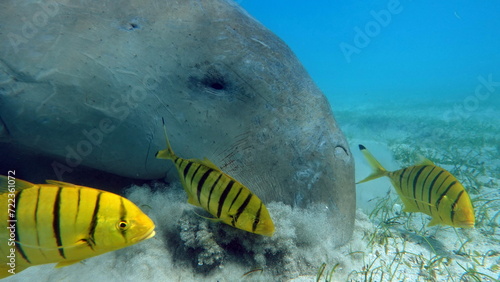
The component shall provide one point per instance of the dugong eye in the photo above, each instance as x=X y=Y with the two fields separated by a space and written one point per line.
x=214 y=80
x=122 y=225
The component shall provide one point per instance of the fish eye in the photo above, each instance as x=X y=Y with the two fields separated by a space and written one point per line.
x=123 y=225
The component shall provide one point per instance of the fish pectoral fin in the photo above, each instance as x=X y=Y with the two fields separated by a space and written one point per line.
x=60 y=183
x=214 y=219
x=66 y=263
x=79 y=243
x=406 y=199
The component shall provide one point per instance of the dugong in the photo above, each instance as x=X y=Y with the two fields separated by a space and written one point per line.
x=87 y=83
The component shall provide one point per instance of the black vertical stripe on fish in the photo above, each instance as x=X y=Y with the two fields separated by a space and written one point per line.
x=444 y=193
x=36 y=217
x=123 y=210
x=440 y=217
x=415 y=180
x=432 y=187
x=78 y=204
x=442 y=183
x=235 y=197
x=223 y=197
x=452 y=215
x=423 y=185
x=194 y=174
x=202 y=182
x=36 y=220
x=211 y=190
x=408 y=179
x=56 y=222
x=186 y=169
x=93 y=222
x=123 y=216
x=257 y=218
x=243 y=206
x=16 y=230
x=401 y=178
x=178 y=161
x=438 y=189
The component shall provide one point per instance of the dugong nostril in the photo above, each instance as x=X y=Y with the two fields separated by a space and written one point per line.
x=131 y=24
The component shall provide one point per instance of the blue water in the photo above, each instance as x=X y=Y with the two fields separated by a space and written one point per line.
x=409 y=50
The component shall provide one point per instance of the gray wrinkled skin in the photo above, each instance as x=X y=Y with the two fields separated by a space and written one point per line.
x=87 y=83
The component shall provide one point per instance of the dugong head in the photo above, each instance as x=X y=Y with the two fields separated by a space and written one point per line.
x=87 y=83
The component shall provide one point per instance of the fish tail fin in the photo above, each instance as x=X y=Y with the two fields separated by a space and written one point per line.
x=168 y=153
x=378 y=169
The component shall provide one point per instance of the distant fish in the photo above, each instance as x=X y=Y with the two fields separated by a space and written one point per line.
x=220 y=194
x=429 y=189
x=63 y=223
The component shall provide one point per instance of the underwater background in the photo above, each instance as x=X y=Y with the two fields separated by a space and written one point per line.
x=360 y=52
x=409 y=79
x=405 y=78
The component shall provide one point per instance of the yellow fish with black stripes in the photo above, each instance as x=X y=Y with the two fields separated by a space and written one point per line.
x=429 y=189
x=63 y=223
x=220 y=194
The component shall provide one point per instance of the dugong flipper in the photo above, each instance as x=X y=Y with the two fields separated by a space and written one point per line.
x=87 y=82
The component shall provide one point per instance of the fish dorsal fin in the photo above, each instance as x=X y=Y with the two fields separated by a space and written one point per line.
x=210 y=164
x=66 y=263
x=60 y=183
x=15 y=183
x=425 y=161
